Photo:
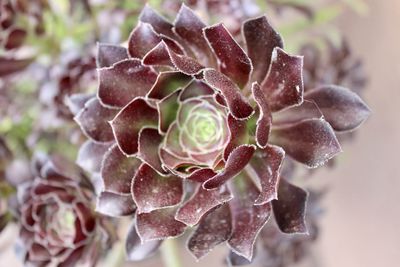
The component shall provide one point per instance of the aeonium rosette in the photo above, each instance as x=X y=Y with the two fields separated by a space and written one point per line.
x=194 y=130
x=58 y=225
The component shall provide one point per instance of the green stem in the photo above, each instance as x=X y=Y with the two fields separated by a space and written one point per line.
x=170 y=254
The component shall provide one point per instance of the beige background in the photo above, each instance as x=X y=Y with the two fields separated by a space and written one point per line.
x=361 y=227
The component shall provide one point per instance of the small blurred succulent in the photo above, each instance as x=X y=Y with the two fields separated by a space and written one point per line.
x=203 y=127
x=58 y=226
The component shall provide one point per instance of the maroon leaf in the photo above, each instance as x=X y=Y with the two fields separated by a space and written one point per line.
x=11 y=65
x=93 y=120
x=307 y=110
x=91 y=154
x=167 y=110
x=158 y=56
x=118 y=171
x=261 y=39
x=238 y=135
x=201 y=175
x=237 y=103
x=264 y=121
x=76 y=102
x=266 y=164
x=152 y=191
x=158 y=225
x=283 y=86
x=135 y=249
x=38 y=252
x=237 y=160
x=159 y=23
x=290 y=208
x=213 y=229
x=343 y=109
x=183 y=63
x=190 y=28
x=142 y=39
x=311 y=142
x=129 y=121
x=233 y=61
x=115 y=205
x=124 y=81
x=108 y=54
x=201 y=203
x=248 y=219
x=149 y=142
x=195 y=89
x=167 y=83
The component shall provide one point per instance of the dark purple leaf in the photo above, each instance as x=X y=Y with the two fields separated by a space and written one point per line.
x=213 y=229
x=142 y=39
x=158 y=224
x=124 y=81
x=11 y=65
x=343 y=109
x=90 y=155
x=290 y=208
x=201 y=203
x=118 y=170
x=167 y=111
x=115 y=205
x=135 y=249
x=264 y=121
x=261 y=39
x=130 y=120
x=151 y=191
x=108 y=54
x=311 y=142
x=266 y=164
x=237 y=103
x=94 y=120
x=233 y=61
x=283 y=86
x=167 y=83
x=237 y=160
x=149 y=142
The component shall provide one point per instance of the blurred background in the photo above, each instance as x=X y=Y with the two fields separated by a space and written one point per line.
x=360 y=223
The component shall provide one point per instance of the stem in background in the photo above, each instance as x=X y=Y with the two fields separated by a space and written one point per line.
x=170 y=254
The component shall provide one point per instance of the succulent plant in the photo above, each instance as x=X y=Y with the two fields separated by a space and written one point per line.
x=58 y=224
x=189 y=129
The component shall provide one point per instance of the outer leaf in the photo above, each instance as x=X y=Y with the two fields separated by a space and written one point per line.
x=108 y=54
x=118 y=171
x=283 y=86
x=213 y=229
x=124 y=81
x=343 y=109
x=129 y=121
x=248 y=219
x=158 y=224
x=233 y=60
x=195 y=89
x=93 y=120
x=266 y=163
x=311 y=142
x=142 y=39
x=76 y=102
x=190 y=28
x=149 y=143
x=261 y=39
x=115 y=205
x=234 y=259
x=264 y=121
x=152 y=191
x=237 y=103
x=307 y=110
x=237 y=160
x=201 y=203
x=290 y=208
x=15 y=38
x=91 y=154
x=135 y=249
x=183 y=63
x=159 y=23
